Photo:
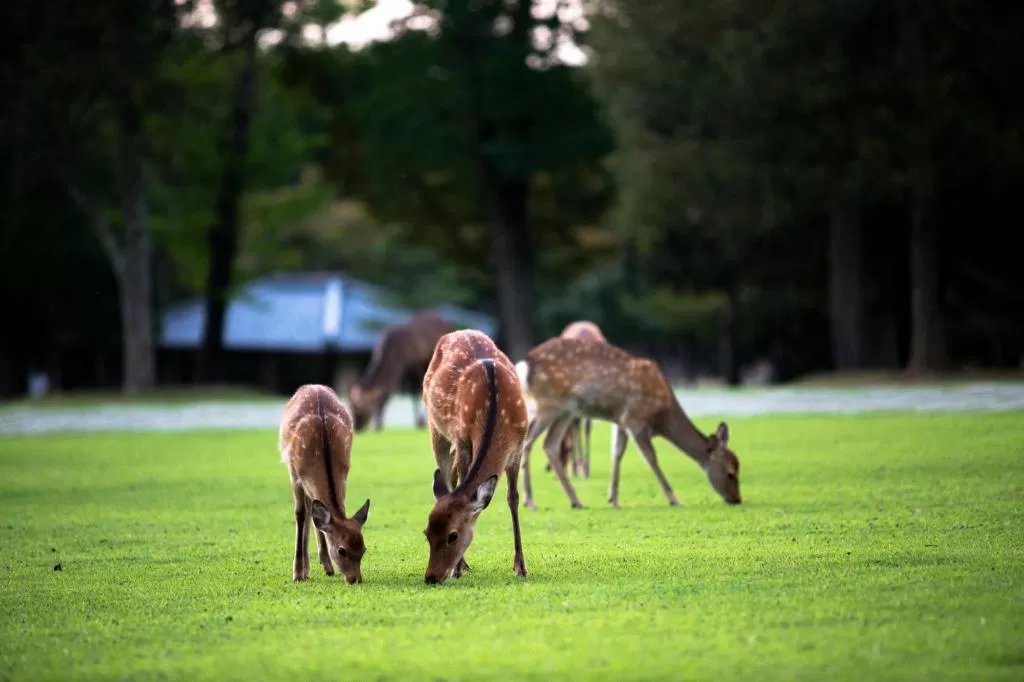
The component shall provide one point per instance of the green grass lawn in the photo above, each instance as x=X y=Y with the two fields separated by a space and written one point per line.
x=868 y=547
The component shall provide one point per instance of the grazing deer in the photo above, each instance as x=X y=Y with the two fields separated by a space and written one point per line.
x=478 y=421
x=315 y=442
x=402 y=353
x=574 y=445
x=569 y=378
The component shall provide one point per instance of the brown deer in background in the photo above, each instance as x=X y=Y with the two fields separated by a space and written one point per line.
x=569 y=378
x=402 y=352
x=315 y=440
x=573 y=445
x=478 y=423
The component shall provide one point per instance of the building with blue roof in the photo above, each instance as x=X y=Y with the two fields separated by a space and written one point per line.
x=288 y=329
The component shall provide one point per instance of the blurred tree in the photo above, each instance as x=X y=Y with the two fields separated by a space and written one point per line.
x=241 y=22
x=82 y=121
x=754 y=115
x=458 y=140
x=281 y=187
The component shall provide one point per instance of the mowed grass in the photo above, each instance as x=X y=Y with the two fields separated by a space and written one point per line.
x=868 y=547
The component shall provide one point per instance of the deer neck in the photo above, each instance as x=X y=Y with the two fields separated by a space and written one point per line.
x=677 y=429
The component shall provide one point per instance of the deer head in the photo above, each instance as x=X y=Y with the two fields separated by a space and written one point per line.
x=723 y=467
x=450 y=525
x=364 y=402
x=344 y=538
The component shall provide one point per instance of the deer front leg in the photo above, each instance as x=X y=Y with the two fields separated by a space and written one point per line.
x=378 y=414
x=417 y=410
x=552 y=445
x=323 y=554
x=300 y=566
x=537 y=426
x=620 y=438
x=443 y=455
x=518 y=562
x=643 y=441
x=461 y=567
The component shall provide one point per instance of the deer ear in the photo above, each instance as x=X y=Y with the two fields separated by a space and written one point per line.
x=722 y=433
x=361 y=515
x=321 y=516
x=440 y=487
x=482 y=495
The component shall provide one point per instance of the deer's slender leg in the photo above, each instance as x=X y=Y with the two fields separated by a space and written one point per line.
x=552 y=445
x=512 y=476
x=323 y=554
x=575 y=454
x=417 y=411
x=443 y=455
x=586 y=448
x=620 y=438
x=460 y=467
x=463 y=458
x=643 y=441
x=300 y=566
x=537 y=426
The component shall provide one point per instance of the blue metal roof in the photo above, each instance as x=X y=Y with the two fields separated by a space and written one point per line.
x=303 y=312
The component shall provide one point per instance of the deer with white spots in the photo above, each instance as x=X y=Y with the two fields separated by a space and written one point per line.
x=315 y=440
x=569 y=379
x=478 y=420
x=573 y=445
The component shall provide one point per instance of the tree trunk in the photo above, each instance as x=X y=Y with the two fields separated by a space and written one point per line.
x=134 y=267
x=513 y=264
x=222 y=238
x=927 y=329
x=846 y=285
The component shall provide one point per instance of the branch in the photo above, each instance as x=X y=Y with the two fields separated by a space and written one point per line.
x=99 y=224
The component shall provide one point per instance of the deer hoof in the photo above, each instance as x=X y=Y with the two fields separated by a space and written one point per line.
x=521 y=571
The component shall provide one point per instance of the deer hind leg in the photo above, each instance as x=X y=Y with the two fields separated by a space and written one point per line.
x=537 y=426
x=552 y=446
x=587 y=424
x=577 y=447
x=620 y=438
x=512 y=476
x=643 y=441
x=300 y=566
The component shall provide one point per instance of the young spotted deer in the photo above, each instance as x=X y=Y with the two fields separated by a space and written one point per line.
x=477 y=419
x=569 y=378
x=574 y=445
x=315 y=442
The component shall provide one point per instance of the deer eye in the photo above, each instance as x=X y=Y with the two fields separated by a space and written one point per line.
x=731 y=476
x=342 y=552
x=452 y=537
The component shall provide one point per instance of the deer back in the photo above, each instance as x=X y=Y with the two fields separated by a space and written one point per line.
x=473 y=395
x=315 y=440
x=597 y=379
